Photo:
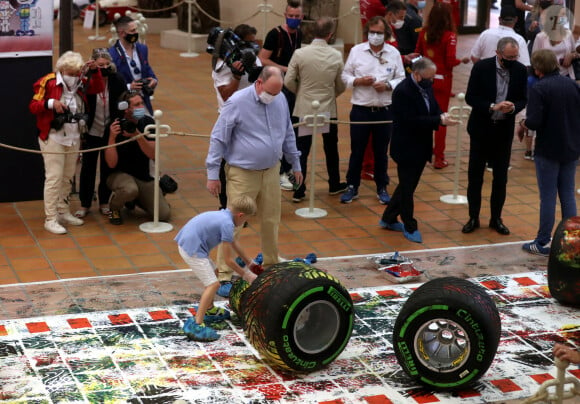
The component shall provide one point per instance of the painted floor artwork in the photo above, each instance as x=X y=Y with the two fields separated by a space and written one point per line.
x=141 y=356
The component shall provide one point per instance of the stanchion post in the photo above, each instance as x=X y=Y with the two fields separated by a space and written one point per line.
x=156 y=226
x=311 y=212
x=189 y=53
x=459 y=113
x=96 y=37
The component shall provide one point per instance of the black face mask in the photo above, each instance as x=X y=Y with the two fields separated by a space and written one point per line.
x=545 y=4
x=106 y=71
x=425 y=83
x=132 y=38
x=508 y=64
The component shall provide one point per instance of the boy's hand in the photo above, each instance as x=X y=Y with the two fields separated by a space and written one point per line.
x=256 y=268
x=249 y=276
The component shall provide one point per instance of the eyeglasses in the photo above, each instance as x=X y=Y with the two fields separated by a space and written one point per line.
x=134 y=66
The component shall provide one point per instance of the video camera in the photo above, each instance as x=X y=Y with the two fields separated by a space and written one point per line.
x=68 y=117
x=226 y=45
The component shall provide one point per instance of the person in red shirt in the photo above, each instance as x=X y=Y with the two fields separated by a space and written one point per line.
x=369 y=9
x=438 y=42
x=454 y=10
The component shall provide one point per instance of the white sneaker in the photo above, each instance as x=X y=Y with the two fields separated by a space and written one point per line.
x=285 y=183
x=54 y=227
x=68 y=218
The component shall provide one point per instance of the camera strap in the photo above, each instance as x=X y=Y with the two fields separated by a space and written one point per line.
x=215 y=55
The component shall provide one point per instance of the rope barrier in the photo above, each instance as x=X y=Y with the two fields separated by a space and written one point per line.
x=211 y=17
x=182 y=134
x=145 y=10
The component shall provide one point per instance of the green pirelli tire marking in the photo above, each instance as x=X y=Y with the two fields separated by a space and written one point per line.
x=473 y=374
x=418 y=313
x=297 y=302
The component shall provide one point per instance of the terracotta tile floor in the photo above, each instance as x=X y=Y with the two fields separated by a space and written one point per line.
x=186 y=96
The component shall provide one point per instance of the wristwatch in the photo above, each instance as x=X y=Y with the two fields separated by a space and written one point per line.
x=491 y=106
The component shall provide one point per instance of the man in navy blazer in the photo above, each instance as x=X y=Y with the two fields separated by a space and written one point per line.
x=416 y=115
x=496 y=92
x=132 y=60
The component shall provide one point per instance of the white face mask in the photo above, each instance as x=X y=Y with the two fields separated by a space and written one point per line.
x=70 y=81
x=422 y=3
x=266 y=98
x=376 y=39
x=398 y=24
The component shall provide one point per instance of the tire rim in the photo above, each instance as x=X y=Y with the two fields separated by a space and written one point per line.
x=442 y=345
x=316 y=327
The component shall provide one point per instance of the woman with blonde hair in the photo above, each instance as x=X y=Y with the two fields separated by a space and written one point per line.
x=59 y=105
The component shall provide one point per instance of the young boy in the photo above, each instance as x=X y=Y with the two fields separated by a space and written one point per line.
x=195 y=240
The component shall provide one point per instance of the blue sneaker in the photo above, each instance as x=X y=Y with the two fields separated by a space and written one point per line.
x=199 y=332
x=536 y=248
x=350 y=194
x=384 y=197
x=396 y=226
x=216 y=315
x=224 y=289
x=415 y=237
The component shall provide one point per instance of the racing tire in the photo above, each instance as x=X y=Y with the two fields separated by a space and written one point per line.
x=297 y=317
x=447 y=333
x=564 y=263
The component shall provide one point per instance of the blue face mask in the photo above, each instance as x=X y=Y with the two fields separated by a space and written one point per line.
x=421 y=4
x=138 y=113
x=293 y=23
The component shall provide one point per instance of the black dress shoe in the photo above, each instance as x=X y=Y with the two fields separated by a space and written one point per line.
x=471 y=225
x=498 y=226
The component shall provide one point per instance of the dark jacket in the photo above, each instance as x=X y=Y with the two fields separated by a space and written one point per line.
x=116 y=86
x=408 y=34
x=481 y=93
x=125 y=70
x=413 y=124
x=553 y=112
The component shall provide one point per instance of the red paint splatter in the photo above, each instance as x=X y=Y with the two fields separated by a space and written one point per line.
x=120 y=319
x=506 y=385
x=160 y=315
x=542 y=378
x=388 y=293
x=79 y=323
x=493 y=285
x=37 y=327
x=525 y=281
x=3 y=331
x=380 y=399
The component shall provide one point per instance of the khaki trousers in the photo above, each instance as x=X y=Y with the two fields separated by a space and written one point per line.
x=126 y=188
x=264 y=187
x=59 y=169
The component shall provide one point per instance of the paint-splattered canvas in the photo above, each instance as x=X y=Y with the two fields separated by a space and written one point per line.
x=141 y=356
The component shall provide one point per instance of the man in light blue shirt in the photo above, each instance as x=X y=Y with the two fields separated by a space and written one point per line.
x=252 y=133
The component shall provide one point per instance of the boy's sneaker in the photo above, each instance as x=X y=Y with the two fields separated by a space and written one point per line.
x=224 y=289
x=199 y=332
x=536 y=248
x=529 y=155
x=216 y=315
x=350 y=194
x=115 y=217
x=338 y=189
x=384 y=197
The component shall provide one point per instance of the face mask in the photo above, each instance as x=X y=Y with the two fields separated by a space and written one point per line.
x=425 y=83
x=106 y=71
x=132 y=38
x=421 y=4
x=398 y=24
x=70 y=81
x=508 y=64
x=293 y=23
x=545 y=4
x=138 y=113
x=266 y=98
x=376 y=39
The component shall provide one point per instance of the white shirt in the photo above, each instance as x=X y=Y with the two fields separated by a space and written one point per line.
x=561 y=49
x=486 y=44
x=224 y=77
x=385 y=66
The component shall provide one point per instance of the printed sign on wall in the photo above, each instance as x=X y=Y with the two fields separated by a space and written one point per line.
x=26 y=28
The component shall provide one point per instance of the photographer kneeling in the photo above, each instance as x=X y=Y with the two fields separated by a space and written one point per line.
x=130 y=180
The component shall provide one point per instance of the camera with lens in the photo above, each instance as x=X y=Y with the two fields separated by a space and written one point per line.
x=146 y=89
x=68 y=117
x=226 y=45
x=127 y=125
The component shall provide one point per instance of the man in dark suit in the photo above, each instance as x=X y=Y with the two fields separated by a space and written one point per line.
x=415 y=116
x=496 y=92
